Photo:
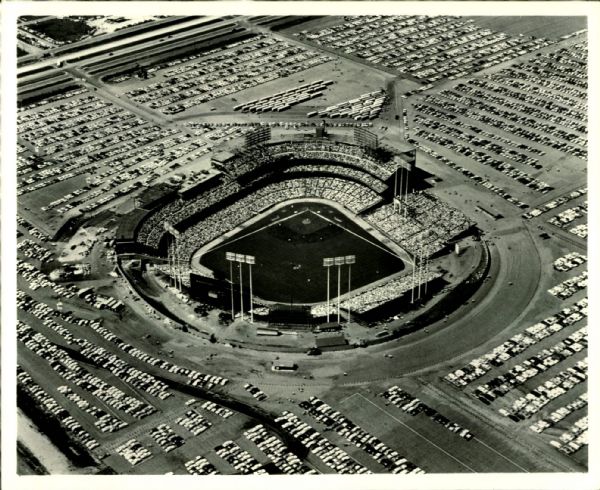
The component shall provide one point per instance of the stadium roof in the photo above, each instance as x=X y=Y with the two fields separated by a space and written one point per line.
x=129 y=223
x=154 y=195
x=222 y=157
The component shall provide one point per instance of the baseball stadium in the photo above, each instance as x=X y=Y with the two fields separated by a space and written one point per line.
x=324 y=230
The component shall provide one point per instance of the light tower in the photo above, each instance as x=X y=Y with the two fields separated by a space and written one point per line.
x=327 y=263
x=251 y=260
x=172 y=255
x=350 y=259
x=240 y=259
x=339 y=261
x=230 y=257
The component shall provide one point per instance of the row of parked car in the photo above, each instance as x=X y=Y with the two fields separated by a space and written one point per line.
x=282 y=101
x=277 y=452
x=566 y=217
x=195 y=378
x=200 y=466
x=225 y=73
x=573 y=439
x=166 y=438
x=541 y=114
x=141 y=380
x=533 y=366
x=334 y=457
x=86 y=158
x=486 y=113
x=71 y=370
x=478 y=179
x=255 y=392
x=34 y=251
x=481 y=150
x=365 y=106
x=194 y=422
x=133 y=451
x=518 y=343
x=50 y=406
x=559 y=414
x=36 y=279
x=541 y=75
x=580 y=230
x=480 y=139
x=95 y=121
x=569 y=287
x=428 y=48
x=555 y=109
x=217 y=409
x=555 y=203
x=31 y=230
x=49 y=100
x=105 y=422
x=412 y=405
x=43 y=313
x=536 y=399
x=380 y=452
x=569 y=261
x=240 y=459
x=37 y=122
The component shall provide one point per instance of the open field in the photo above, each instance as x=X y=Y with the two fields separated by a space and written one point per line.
x=62 y=30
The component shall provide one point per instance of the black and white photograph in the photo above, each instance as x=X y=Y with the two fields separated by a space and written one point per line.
x=297 y=245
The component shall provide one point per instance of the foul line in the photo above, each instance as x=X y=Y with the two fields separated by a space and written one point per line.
x=358 y=236
x=273 y=223
x=412 y=430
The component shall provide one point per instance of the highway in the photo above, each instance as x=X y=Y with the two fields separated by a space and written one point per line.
x=133 y=41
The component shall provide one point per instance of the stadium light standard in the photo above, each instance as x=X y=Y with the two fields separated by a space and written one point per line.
x=327 y=263
x=412 y=282
x=401 y=187
x=420 y=276
x=230 y=257
x=426 y=273
x=172 y=256
x=339 y=261
x=239 y=258
x=350 y=259
x=406 y=193
x=251 y=260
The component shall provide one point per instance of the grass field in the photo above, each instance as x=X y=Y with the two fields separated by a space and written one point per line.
x=295 y=248
x=63 y=30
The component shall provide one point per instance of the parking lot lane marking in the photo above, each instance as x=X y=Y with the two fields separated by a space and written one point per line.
x=500 y=454
x=419 y=434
